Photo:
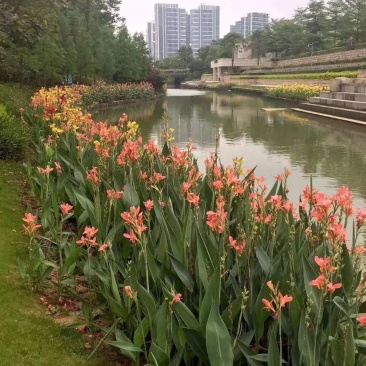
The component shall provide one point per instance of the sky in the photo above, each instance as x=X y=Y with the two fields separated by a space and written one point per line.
x=139 y=12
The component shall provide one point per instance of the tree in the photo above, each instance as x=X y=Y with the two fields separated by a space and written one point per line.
x=258 y=44
x=185 y=54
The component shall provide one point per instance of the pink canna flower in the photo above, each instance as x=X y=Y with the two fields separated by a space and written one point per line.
x=114 y=195
x=218 y=184
x=31 y=227
x=128 y=291
x=284 y=299
x=103 y=248
x=132 y=237
x=193 y=198
x=66 y=208
x=268 y=305
x=186 y=186
x=177 y=298
x=324 y=264
x=46 y=170
x=90 y=232
x=149 y=204
x=58 y=167
x=318 y=282
x=270 y=286
x=362 y=320
x=331 y=287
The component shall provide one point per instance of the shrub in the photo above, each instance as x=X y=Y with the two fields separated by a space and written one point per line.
x=14 y=137
x=14 y=97
x=188 y=268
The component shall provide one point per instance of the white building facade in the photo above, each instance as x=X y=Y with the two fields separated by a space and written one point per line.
x=171 y=30
x=249 y=24
x=204 y=26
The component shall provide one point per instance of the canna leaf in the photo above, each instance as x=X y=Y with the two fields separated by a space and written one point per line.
x=218 y=340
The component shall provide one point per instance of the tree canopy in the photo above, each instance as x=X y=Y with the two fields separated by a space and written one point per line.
x=47 y=41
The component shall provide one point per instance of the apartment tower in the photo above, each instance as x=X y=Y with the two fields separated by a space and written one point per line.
x=204 y=26
x=249 y=24
x=171 y=30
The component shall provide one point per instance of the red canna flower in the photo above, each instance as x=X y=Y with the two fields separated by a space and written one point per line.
x=114 y=195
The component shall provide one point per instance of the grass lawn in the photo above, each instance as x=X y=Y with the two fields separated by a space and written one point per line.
x=27 y=335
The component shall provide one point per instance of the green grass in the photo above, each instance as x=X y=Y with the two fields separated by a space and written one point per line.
x=27 y=335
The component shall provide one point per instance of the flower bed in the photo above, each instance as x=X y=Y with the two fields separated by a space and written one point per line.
x=186 y=268
x=294 y=92
x=316 y=76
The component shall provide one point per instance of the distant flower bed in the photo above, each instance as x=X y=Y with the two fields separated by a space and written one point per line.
x=294 y=92
x=109 y=93
x=183 y=268
x=315 y=76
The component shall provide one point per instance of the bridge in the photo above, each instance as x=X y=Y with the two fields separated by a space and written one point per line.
x=174 y=76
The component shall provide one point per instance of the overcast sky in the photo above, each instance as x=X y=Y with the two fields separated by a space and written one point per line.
x=139 y=12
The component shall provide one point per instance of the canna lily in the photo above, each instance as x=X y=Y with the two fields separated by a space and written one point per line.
x=177 y=298
x=268 y=305
x=193 y=198
x=362 y=320
x=103 y=248
x=324 y=264
x=284 y=299
x=66 y=208
x=128 y=291
x=149 y=204
x=331 y=287
x=319 y=282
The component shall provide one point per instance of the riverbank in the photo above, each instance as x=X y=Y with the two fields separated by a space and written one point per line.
x=29 y=336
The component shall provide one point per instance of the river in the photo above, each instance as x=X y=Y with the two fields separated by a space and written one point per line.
x=331 y=152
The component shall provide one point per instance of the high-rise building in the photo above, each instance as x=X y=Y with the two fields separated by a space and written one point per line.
x=204 y=26
x=170 y=30
x=150 y=38
x=249 y=24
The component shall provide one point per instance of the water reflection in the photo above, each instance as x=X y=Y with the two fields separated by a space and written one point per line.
x=332 y=152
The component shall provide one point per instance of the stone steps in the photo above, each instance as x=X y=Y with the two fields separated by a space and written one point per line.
x=356 y=97
x=339 y=103
x=334 y=111
x=325 y=115
x=353 y=87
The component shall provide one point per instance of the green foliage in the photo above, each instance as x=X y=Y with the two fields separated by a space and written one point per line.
x=14 y=97
x=313 y=76
x=69 y=38
x=189 y=268
x=14 y=137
